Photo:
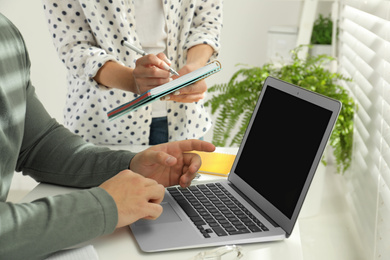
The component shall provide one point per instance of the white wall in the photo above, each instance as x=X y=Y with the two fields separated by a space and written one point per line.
x=244 y=35
x=244 y=40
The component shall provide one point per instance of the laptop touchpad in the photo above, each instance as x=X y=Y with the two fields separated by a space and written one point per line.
x=168 y=215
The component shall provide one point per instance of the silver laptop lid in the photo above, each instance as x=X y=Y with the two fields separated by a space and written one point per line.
x=282 y=148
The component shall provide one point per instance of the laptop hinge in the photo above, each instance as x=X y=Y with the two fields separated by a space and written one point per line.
x=253 y=205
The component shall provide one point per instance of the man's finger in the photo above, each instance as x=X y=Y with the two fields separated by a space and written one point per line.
x=194 y=144
x=149 y=182
x=153 y=211
x=156 y=193
x=159 y=157
x=192 y=162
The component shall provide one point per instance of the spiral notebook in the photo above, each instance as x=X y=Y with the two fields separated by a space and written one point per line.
x=163 y=90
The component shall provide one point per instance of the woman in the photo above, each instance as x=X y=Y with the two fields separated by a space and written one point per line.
x=103 y=74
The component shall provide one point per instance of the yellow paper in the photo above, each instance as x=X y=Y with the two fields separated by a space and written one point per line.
x=216 y=163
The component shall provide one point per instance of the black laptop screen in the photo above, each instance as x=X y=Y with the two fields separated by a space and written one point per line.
x=281 y=146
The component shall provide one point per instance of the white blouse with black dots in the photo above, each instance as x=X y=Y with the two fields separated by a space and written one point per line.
x=87 y=34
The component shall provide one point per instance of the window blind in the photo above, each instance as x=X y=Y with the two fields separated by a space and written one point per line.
x=364 y=55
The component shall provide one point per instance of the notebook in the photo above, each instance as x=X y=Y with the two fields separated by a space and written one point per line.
x=216 y=163
x=165 y=89
x=266 y=186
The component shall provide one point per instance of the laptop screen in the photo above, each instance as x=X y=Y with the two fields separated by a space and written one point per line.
x=279 y=150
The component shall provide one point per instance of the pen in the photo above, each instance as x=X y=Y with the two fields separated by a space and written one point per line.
x=143 y=53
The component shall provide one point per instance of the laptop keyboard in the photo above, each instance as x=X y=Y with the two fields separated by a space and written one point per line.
x=214 y=210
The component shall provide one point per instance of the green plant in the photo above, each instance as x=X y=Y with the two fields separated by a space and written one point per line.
x=235 y=100
x=322 y=30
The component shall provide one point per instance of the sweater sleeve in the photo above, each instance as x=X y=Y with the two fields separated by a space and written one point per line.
x=50 y=153
x=33 y=142
x=34 y=230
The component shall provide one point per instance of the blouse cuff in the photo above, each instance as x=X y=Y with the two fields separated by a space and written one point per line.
x=94 y=65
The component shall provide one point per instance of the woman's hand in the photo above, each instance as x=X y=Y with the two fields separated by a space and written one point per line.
x=151 y=71
x=191 y=93
x=197 y=57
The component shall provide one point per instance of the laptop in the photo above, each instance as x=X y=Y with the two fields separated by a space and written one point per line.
x=266 y=187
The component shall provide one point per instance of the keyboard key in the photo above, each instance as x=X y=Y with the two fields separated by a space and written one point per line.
x=187 y=208
x=214 y=224
x=219 y=231
x=239 y=232
x=254 y=229
x=230 y=229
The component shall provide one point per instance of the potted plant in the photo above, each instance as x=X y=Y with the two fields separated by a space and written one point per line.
x=236 y=100
x=321 y=37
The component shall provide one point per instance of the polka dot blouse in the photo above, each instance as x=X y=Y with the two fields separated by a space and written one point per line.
x=87 y=34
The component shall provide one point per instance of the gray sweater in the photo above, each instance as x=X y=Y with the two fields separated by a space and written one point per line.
x=34 y=143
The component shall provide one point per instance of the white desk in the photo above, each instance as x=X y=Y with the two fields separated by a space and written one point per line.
x=122 y=245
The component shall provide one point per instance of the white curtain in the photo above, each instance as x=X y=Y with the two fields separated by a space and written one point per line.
x=364 y=55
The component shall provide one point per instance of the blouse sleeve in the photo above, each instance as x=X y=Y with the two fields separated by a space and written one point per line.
x=73 y=37
x=206 y=25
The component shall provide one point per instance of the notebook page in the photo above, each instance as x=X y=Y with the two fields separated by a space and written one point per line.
x=82 y=253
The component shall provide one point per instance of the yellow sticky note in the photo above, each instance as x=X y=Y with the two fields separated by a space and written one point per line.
x=216 y=163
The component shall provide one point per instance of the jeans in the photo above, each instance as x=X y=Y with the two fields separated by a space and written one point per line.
x=158 y=131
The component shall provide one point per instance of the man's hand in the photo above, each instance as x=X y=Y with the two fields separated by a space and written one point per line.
x=135 y=196
x=170 y=164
